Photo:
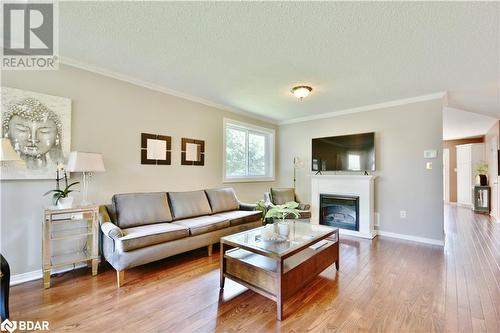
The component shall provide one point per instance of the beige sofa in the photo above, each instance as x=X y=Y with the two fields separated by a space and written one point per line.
x=139 y=228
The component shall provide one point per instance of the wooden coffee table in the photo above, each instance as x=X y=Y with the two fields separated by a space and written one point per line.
x=278 y=269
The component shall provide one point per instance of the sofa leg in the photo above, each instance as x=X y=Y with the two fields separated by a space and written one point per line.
x=120 y=276
x=210 y=248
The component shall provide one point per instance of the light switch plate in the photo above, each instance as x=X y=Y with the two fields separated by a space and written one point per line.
x=428 y=165
x=430 y=153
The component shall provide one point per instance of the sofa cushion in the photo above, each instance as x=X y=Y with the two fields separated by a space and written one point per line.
x=135 y=209
x=203 y=224
x=189 y=204
x=146 y=235
x=237 y=217
x=281 y=196
x=222 y=199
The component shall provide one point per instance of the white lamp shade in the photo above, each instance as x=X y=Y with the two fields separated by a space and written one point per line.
x=7 y=152
x=85 y=162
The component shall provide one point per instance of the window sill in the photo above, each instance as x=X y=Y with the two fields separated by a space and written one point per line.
x=248 y=180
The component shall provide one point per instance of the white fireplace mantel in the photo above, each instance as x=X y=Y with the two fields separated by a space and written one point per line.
x=354 y=185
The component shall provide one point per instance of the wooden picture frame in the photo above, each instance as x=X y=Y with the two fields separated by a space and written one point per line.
x=192 y=152
x=156 y=149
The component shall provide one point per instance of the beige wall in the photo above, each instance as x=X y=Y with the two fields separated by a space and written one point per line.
x=402 y=133
x=108 y=116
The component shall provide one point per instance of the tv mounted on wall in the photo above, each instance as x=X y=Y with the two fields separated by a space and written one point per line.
x=344 y=153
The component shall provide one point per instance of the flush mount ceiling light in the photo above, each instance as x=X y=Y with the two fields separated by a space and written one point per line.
x=301 y=91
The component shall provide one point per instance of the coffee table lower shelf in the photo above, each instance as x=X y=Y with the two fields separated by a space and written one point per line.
x=275 y=278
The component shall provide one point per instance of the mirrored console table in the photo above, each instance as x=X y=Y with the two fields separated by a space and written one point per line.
x=482 y=199
x=78 y=227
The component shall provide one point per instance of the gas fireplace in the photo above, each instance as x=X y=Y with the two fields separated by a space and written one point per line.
x=341 y=211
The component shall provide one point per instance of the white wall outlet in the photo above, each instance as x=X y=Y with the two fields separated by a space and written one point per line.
x=428 y=165
x=402 y=214
x=376 y=223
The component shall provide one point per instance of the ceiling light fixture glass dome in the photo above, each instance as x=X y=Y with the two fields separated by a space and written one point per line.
x=301 y=91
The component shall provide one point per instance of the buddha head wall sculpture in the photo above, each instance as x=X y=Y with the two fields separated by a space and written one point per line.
x=35 y=132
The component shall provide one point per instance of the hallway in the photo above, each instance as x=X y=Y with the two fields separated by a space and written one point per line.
x=472 y=254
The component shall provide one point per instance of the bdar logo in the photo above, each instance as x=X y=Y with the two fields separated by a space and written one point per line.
x=8 y=325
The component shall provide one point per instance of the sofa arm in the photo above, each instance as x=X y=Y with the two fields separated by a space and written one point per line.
x=110 y=230
x=304 y=206
x=247 y=206
x=104 y=215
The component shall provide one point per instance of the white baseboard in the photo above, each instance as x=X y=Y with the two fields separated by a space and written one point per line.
x=412 y=238
x=38 y=274
x=367 y=235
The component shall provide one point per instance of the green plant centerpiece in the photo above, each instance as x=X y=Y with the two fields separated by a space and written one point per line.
x=283 y=213
x=61 y=197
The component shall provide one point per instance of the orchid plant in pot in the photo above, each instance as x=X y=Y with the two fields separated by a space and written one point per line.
x=283 y=213
x=62 y=198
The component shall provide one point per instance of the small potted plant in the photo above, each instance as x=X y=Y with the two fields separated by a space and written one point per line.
x=283 y=213
x=482 y=173
x=62 y=198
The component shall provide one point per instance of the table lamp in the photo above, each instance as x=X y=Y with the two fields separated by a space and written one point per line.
x=86 y=163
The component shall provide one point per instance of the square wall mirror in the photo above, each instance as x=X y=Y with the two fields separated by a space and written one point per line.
x=156 y=149
x=192 y=152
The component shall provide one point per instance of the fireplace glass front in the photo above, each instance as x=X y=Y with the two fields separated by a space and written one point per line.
x=339 y=211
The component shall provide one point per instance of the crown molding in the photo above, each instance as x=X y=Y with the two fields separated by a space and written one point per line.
x=156 y=87
x=439 y=95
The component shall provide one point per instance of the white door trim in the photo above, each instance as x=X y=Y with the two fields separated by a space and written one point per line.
x=446 y=174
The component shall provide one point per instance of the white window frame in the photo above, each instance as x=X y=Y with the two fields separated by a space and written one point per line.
x=269 y=132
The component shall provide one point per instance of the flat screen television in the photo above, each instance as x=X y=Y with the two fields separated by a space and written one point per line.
x=344 y=153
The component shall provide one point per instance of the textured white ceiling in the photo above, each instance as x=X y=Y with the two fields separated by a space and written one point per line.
x=458 y=124
x=247 y=55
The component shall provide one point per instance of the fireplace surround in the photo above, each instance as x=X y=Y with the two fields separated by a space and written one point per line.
x=347 y=185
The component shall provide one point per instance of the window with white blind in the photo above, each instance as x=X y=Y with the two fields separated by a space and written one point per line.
x=248 y=152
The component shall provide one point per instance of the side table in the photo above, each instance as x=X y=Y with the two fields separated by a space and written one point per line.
x=70 y=224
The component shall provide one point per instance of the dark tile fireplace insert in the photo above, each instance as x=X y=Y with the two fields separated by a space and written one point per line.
x=341 y=211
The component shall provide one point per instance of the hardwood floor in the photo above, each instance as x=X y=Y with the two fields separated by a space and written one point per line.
x=384 y=285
